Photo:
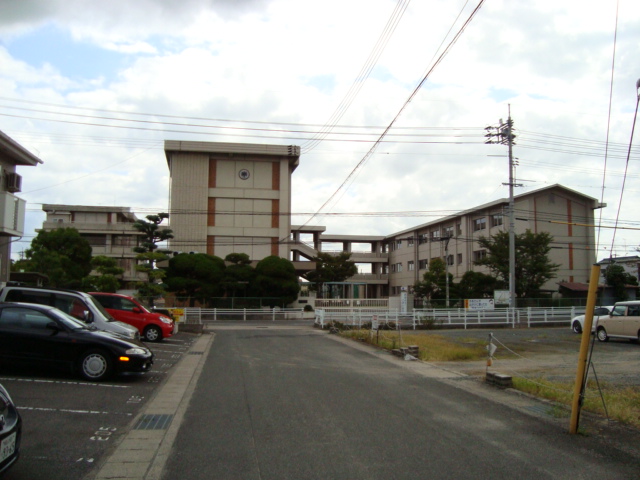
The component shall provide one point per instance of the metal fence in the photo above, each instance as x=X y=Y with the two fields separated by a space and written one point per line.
x=454 y=318
x=206 y=315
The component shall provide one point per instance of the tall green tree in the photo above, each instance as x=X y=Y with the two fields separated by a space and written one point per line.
x=149 y=255
x=618 y=279
x=434 y=282
x=107 y=278
x=276 y=279
x=478 y=285
x=533 y=268
x=197 y=276
x=330 y=268
x=239 y=276
x=61 y=254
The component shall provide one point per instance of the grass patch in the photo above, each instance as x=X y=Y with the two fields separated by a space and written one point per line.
x=623 y=403
x=433 y=348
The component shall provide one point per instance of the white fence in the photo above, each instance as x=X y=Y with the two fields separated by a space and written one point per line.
x=458 y=317
x=205 y=315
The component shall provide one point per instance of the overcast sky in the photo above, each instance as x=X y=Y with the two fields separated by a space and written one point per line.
x=94 y=89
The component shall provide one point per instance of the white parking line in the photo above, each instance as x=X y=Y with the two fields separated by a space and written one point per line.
x=36 y=380
x=65 y=410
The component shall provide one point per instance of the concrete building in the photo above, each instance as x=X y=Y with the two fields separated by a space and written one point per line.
x=231 y=197
x=12 y=208
x=236 y=198
x=109 y=231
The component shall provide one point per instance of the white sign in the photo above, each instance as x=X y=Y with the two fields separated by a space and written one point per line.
x=374 y=322
x=479 y=304
x=501 y=297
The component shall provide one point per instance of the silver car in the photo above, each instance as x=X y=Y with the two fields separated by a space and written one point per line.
x=577 y=324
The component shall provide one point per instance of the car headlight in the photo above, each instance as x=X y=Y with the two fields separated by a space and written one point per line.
x=166 y=320
x=137 y=351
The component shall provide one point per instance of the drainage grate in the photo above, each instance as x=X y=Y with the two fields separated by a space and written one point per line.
x=196 y=353
x=153 y=422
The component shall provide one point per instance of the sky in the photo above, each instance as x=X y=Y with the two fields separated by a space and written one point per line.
x=388 y=100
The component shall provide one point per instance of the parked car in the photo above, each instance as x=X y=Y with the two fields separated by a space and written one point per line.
x=40 y=335
x=623 y=322
x=152 y=326
x=77 y=304
x=577 y=324
x=10 y=431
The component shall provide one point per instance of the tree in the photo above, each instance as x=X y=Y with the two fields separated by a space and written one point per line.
x=616 y=277
x=150 y=255
x=197 y=276
x=61 y=254
x=532 y=268
x=434 y=281
x=330 y=268
x=239 y=275
x=277 y=280
x=107 y=278
x=153 y=234
x=477 y=285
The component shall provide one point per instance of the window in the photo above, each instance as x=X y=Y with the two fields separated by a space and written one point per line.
x=423 y=264
x=411 y=266
x=458 y=228
x=479 y=255
x=459 y=259
x=410 y=242
x=399 y=244
x=449 y=259
x=435 y=235
x=423 y=238
x=496 y=220
x=398 y=267
x=479 y=224
x=448 y=231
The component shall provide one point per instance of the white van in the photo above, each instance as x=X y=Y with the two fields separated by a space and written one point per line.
x=77 y=304
x=624 y=322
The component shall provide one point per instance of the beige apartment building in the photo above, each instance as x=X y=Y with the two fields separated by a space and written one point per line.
x=12 y=207
x=231 y=197
x=109 y=231
x=564 y=213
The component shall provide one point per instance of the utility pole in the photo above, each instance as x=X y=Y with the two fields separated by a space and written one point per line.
x=503 y=134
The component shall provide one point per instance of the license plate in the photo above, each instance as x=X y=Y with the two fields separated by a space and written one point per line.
x=7 y=447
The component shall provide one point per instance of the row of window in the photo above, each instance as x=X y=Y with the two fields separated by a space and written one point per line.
x=435 y=235
x=424 y=264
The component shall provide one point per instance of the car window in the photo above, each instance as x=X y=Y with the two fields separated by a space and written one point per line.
x=98 y=306
x=127 y=304
x=106 y=301
x=619 y=310
x=601 y=311
x=27 y=296
x=18 y=317
x=72 y=306
x=634 y=311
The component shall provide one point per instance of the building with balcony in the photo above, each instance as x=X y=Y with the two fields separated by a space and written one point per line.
x=12 y=208
x=109 y=231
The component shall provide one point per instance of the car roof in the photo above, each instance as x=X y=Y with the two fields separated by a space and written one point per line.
x=44 y=289
x=109 y=294
x=35 y=306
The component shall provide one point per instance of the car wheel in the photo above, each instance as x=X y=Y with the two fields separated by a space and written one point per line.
x=577 y=328
x=602 y=335
x=152 y=334
x=95 y=365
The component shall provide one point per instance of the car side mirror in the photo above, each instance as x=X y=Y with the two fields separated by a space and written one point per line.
x=136 y=310
x=53 y=326
x=86 y=316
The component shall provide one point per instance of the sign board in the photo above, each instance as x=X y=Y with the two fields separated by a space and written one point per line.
x=403 y=302
x=501 y=297
x=374 y=322
x=479 y=304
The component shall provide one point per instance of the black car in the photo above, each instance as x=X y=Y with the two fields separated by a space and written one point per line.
x=41 y=335
x=10 y=430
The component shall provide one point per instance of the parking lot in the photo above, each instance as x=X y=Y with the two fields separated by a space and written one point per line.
x=70 y=424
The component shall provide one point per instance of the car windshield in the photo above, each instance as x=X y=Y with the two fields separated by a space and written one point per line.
x=69 y=321
x=101 y=309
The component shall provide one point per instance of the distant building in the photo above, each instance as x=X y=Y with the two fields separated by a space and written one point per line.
x=630 y=264
x=109 y=231
x=12 y=208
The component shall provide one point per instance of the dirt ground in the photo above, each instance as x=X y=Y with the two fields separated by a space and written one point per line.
x=548 y=352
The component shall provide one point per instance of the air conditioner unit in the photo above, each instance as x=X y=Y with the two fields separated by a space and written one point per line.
x=14 y=182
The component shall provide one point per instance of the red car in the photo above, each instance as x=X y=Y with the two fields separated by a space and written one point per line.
x=153 y=327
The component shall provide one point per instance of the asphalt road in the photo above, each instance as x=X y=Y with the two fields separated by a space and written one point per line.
x=276 y=404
